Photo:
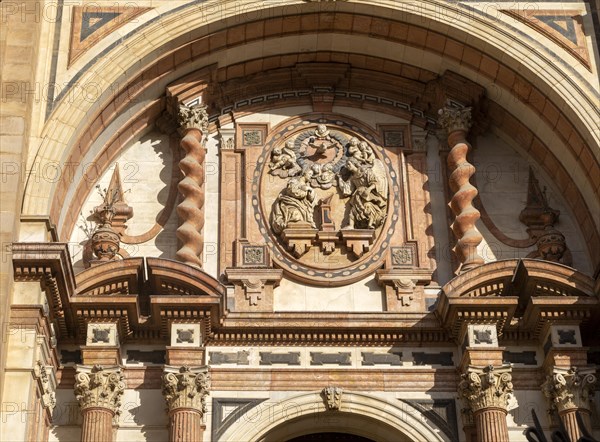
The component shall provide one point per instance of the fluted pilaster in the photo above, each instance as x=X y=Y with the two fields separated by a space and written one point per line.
x=486 y=391
x=569 y=391
x=185 y=390
x=193 y=123
x=458 y=122
x=98 y=391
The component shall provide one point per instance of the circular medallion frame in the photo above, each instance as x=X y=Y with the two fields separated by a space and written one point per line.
x=313 y=274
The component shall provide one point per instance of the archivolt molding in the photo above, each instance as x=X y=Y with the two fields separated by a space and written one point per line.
x=401 y=417
x=70 y=113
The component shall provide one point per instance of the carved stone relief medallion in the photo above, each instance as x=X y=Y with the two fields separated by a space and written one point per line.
x=325 y=198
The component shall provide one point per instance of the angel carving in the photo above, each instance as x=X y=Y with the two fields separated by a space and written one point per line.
x=285 y=159
x=367 y=188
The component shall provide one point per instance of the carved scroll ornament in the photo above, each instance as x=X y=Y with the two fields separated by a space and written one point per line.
x=186 y=387
x=99 y=387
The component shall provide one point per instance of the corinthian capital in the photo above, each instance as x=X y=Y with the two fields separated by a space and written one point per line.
x=194 y=117
x=453 y=119
x=99 y=387
x=570 y=388
x=485 y=387
x=186 y=387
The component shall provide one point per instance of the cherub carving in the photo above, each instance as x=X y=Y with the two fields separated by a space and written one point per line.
x=323 y=176
x=361 y=151
x=322 y=134
x=285 y=159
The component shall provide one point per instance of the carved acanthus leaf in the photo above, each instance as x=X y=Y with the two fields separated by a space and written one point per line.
x=186 y=387
x=194 y=117
x=332 y=397
x=99 y=387
x=486 y=387
x=570 y=388
x=454 y=119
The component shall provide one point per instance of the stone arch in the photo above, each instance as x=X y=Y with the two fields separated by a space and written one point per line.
x=306 y=413
x=174 y=45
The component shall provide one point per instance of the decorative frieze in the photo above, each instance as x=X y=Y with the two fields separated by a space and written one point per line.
x=391 y=358
x=151 y=357
x=269 y=358
x=520 y=357
x=442 y=358
x=318 y=358
x=186 y=387
x=238 y=358
x=332 y=397
x=570 y=388
x=486 y=387
x=99 y=387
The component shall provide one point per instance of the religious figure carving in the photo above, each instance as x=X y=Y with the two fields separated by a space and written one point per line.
x=361 y=151
x=295 y=203
x=368 y=191
x=284 y=161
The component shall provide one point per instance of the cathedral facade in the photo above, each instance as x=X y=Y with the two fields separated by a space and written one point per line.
x=299 y=220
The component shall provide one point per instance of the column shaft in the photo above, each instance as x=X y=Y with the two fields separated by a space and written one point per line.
x=97 y=425
x=491 y=425
x=186 y=425
x=569 y=420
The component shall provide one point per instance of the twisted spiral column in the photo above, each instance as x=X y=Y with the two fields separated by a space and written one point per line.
x=193 y=122
x=457 y=122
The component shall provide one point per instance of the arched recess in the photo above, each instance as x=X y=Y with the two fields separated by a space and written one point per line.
x=192 y=38
x=359 y=414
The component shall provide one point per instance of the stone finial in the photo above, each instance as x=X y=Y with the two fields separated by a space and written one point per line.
x=485 y=387
x=194 y=117
x=453 y=119
x=186 y=387
x=48 y=397
x=332 y=397
x=99 y=387
x=570 y=388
